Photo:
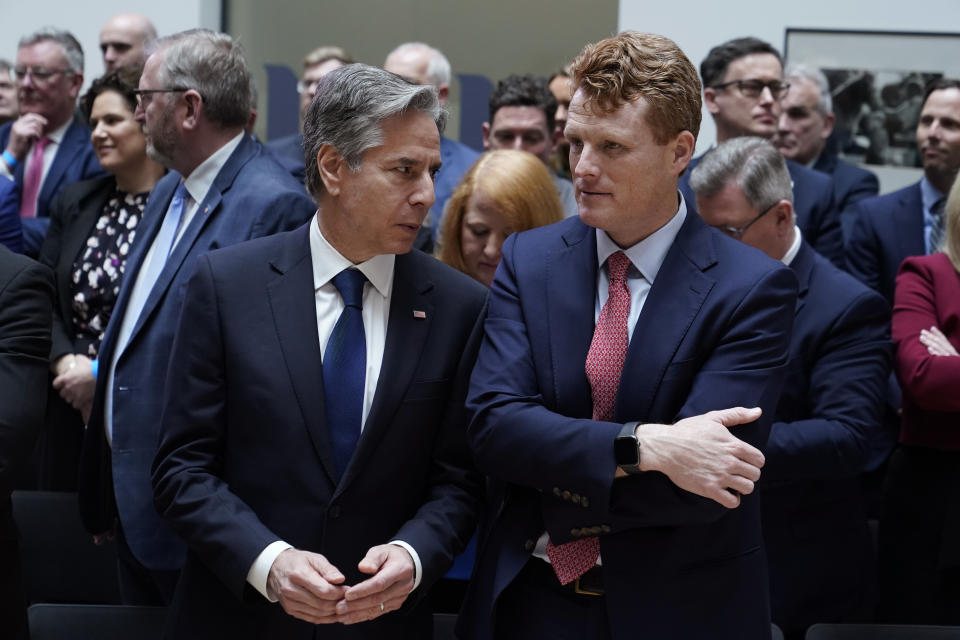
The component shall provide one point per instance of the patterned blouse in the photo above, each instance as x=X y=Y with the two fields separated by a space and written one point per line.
x=98 y=269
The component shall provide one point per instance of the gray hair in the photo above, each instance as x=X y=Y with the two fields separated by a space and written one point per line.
x=349 y=106
x=72 y=50
x=7 y=67
x=322 y=54
x=754 y=164
x=814 y=75
x=438 y=67
x=213 y=64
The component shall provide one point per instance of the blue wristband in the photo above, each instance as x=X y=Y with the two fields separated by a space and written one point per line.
x=94 y=365
x=9 y=159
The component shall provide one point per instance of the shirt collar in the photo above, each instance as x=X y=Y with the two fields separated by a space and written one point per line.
x=929 y=194
x=794 y=249
x=328 y=262
x=647 y=256
x=200 y=180
x=56 y=136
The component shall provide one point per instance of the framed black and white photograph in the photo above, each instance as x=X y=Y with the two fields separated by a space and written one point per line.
x=877 y=81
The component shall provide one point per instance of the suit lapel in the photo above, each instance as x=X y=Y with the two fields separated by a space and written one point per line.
x=147 y=230
x=908 y=220
x=406 y=338
x=70 y=145
x=569 y=316
x=672 y=305
x=291 y=297
x=802 y=266
x=206 y=211
x=89 y=209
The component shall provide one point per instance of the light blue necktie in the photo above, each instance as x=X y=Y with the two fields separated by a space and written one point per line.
x=162 y=247
x=344 y=369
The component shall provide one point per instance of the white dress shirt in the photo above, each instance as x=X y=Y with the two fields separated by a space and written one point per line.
x=327 y=263
x=646 y=258
x=198 y=184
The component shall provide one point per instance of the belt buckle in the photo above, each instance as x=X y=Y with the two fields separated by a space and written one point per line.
x=585 y=591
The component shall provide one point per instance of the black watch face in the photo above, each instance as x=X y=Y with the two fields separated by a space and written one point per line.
x=625 y=451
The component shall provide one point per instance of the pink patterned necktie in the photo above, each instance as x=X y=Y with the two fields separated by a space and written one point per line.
x=31 y=180
x=608 y=350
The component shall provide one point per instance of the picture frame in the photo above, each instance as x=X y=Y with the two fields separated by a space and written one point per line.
x=877 y=81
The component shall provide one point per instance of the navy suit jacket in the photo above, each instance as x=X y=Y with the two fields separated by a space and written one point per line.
x=816 y=212
x=75 y=161
x=714 y=333
x=251 y=196
x=246 y=456
x=288 y=151
x=851 y=184
x=11 y=231
x=827 y=421
x=457 y=158
x=886 y=229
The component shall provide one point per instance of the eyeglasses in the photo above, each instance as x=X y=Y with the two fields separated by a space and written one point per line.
x=39 y=74
x=752 y=88
x=304 y=85
x=140 y=93
x=737 y=232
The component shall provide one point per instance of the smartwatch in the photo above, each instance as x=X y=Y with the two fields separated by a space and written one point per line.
x=626 y=449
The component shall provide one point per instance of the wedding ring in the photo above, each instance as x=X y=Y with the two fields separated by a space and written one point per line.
x=381 y=607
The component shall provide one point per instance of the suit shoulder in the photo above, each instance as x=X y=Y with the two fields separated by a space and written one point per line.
x=448 y=281
x=890 y=200
x=807 y=178
x=17 y=267
x=833 y=286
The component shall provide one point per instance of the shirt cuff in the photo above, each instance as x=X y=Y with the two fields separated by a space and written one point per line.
x=260 y=569
x=417 y=568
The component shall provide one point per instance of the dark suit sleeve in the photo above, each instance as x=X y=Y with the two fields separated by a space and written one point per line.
x=863 y=259
x=189 y=489
x=846 y=398
x=25 y=312
x=287 y=212
x=50 y=256
x=930 y=380
x=517 y=439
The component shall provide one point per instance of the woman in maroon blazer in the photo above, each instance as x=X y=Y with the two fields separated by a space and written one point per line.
x=920 y=532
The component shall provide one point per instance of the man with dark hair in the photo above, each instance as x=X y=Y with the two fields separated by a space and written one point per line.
x=48 y=146
x=621 y=491
x=805 y=124
x=742 y=87
x=420 y=63
x=523 y=116
x=829 y=414
x=222 y=189
x=313 y=450
x=909 y=222
x=26 y=315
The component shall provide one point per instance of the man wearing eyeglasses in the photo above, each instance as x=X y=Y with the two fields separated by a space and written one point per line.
x=47 y=147
x=742 y=87
x=223 y=188
x=814 y=525
x=316 y=64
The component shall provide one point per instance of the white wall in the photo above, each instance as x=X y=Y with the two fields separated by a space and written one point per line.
x=84 y=19
x=698 y=25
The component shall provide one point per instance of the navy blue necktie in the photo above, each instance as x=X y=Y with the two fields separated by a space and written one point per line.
x=344 y=369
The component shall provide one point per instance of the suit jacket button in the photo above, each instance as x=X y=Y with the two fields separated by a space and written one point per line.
x=556 y=491
x=565 y=495
x=605 y=528
x=575 y=532
x=334 y=511
x=576 y=498
x=596 y=531
x=529 y=545
x=584 y=502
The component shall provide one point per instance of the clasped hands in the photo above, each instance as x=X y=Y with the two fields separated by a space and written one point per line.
x=75 y=383
x=310 y=588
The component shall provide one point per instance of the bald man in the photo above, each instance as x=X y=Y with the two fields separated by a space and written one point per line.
x=122 y=40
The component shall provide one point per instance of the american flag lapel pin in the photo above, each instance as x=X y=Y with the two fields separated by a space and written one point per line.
x=419 y=315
